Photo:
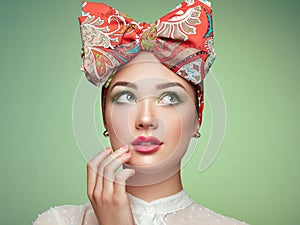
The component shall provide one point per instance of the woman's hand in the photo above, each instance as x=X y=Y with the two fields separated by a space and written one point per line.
x=106 y=189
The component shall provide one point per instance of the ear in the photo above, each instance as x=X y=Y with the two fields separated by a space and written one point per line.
x=196 y=129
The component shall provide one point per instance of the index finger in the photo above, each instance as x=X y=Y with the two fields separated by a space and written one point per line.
x=92 y=170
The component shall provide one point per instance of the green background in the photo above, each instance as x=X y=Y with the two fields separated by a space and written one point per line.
x=255 y=177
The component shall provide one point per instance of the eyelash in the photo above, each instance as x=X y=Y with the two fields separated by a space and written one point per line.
x=118 y=96
x=174 y=95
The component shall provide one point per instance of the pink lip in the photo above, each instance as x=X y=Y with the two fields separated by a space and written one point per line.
x=146 y=144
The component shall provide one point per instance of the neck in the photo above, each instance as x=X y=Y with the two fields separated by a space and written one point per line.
x=161 y=189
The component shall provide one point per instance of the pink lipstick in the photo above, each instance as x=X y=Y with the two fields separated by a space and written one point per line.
x=146 y=144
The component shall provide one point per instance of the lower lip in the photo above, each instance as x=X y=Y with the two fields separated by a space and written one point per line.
x=146 y=148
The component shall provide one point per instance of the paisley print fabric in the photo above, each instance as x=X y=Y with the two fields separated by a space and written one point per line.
x=182 y=40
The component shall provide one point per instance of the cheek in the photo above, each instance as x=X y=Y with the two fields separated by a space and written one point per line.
x=180 y=127
x=184 y=130
x=189 y=122
x=118 y=120
x=170 y=119
x=186 y=119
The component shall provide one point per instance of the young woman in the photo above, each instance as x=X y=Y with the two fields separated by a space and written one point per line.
x=152 y=97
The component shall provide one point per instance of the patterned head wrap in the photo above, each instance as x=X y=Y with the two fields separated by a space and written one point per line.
x=182 y=40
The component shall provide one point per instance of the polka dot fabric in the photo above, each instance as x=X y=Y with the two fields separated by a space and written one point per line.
x=176 y=209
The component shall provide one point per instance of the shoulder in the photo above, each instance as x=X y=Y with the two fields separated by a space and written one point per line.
x=215 y=218
x=196 y=214
x=66 y=214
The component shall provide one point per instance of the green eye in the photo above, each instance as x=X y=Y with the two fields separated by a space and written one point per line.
x=169 y=99
x=125 y=97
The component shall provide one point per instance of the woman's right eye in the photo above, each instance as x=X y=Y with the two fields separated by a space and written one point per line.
x=125 y=97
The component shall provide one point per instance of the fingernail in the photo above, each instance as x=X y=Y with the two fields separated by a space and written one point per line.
x=125 y=147
x=108 y=150
x=132 y=173
x=127 y=155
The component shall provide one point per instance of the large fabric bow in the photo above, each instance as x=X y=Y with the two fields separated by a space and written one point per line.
x=182 y=40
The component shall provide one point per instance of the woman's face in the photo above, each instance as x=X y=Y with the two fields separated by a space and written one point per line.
x=152 y=110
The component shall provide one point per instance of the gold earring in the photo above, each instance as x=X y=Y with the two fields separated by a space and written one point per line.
x=197 y=135
x=106 y=134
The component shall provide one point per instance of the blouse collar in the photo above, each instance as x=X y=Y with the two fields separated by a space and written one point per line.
x=164 y=205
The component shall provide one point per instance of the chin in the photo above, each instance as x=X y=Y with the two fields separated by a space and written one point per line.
x=154 y=163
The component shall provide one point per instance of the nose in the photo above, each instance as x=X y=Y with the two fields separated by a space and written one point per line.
x=146 y=118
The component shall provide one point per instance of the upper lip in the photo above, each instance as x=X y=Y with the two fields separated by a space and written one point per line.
x=145 y=140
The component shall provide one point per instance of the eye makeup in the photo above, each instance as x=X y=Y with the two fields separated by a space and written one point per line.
x=164 y=99
x=169 y=99
x=124 y=97
x=163 y=94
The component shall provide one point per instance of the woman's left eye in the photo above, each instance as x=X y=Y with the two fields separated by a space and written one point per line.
x=168 y=99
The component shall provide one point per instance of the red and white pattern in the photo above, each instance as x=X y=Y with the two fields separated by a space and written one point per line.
x=110 y=39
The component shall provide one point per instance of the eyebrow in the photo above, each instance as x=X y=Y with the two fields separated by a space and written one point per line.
x=167 y=85
x=157 y=87
x=124 y=83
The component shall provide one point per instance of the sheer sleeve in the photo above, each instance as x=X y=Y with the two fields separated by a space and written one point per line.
x=195 y=214
x=62 y=215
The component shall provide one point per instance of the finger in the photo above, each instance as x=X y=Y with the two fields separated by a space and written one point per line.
x=120 y=181
x=106 y=161
x=109 y=176
x=92 y=170
x=106 y=173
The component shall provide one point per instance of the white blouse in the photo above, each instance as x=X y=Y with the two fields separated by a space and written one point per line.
x=177 y=209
